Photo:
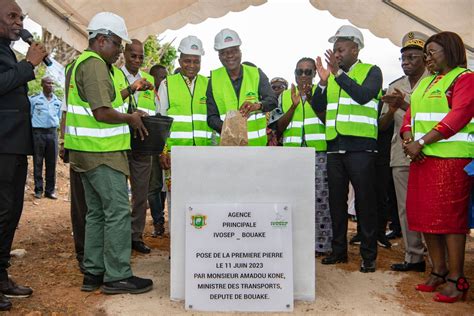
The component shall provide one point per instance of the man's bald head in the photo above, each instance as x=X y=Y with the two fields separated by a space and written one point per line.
x=134 y=56
x=135 y=44
x=11 y=20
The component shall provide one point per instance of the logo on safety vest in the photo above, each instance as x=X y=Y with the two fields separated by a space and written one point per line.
x=202 y=100
x=198 y=221
x=250 y=96
x=435 y=94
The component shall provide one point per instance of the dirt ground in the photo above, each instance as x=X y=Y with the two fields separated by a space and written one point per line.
x=51 y=269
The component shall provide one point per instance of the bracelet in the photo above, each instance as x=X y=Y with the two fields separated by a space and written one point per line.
x=130 y=90
x=406 y=141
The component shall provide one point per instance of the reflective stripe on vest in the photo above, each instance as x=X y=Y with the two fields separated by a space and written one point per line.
x=304 y=120
x=189 y=112
x=83 y=132
x=344 y=115
x=429 y=105
x=226 y=100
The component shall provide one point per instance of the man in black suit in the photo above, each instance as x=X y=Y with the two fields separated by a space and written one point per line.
x=15 y=138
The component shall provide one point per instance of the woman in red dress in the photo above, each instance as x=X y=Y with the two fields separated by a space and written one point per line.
x=438 y=136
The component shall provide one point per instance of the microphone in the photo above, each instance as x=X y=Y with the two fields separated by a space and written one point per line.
x=28 y=38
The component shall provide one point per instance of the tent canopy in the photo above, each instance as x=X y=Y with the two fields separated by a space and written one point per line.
x=394 y=18
x=385 y=18
x=68 y=19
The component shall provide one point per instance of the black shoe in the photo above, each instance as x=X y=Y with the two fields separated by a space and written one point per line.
x=11 y=289
x=392 y=234
x=91 y=282
x=367 y=266
x=51 y=196
x=81 y=267
x=140 y=246
x=5 y=303
x=132 y=285
x=382 y=241
x=38 y=195
x=405 y=266
x=355 y=240
x=333 y=259
x=159 y=230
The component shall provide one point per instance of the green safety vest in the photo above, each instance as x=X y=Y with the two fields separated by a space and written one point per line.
x=304 y=121
x=146 y=99
x=189 y=112
x=226 y=100
x=344 y=115
x=83 y=131
x=428 y=107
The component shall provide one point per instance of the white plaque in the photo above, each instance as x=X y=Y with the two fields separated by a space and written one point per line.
x=239 y=257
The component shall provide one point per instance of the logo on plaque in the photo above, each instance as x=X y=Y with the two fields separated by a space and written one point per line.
x=198 y=221
x=279 y=222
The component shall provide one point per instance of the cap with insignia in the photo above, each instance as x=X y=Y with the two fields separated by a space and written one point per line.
x=414 y=39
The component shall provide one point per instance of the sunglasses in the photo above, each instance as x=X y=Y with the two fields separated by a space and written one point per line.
x=409 y=57
x=278 y=87
x=307 y=72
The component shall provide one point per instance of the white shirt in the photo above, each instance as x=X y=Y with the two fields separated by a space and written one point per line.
x=131 y=79
x=162 y=105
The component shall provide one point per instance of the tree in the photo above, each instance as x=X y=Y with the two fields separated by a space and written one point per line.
x=157 y=53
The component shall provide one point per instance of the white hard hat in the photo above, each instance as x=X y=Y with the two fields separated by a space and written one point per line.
x=349 y=32
x=105 y=22
x=226 y=38
x=191 y=45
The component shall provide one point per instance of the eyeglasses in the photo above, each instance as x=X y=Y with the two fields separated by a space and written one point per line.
x=116 y=43
x=307 y=72
x=278 y=87
x=409 y=57
x=431 y=53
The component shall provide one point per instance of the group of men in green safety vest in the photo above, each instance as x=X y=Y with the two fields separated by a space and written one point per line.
x=98 y=119
x=337 y=117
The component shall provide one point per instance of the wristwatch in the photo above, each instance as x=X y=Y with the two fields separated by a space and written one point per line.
x=421 y=141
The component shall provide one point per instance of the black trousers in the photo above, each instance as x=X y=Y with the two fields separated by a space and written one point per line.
x=45 y=141
x=359 y=169
x=156 y=198
x=78 y=213
x=383 y=179
x=13 y=169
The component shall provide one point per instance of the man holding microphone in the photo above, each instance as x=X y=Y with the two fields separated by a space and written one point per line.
x=15 y=137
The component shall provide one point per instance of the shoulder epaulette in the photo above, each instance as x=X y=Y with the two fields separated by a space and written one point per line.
x=396 y=80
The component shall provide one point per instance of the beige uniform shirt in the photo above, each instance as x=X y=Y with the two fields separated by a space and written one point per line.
x=397 y=156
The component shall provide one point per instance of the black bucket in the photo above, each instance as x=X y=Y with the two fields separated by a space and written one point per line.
x=158 y=132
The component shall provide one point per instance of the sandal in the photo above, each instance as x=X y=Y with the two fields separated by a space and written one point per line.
x=431 y=288
x=461 y=285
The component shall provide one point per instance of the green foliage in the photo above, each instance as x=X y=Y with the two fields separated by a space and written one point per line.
x=34 y=86
x=157 y=53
